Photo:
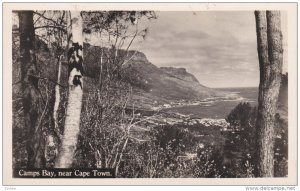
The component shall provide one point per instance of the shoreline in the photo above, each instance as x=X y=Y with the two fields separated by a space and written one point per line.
x=204 y=102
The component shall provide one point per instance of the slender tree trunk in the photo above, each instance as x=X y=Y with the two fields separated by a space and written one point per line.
x=117 y=165
x=269 y=46
x=54 y=134
x=101 y=69
x=29 y=85
x=72 y=121
x=57 y=96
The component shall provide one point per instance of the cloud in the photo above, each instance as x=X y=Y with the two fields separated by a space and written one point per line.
x=219 y=48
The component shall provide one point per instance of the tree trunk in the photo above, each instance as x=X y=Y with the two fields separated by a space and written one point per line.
x=101 y=69
x=72 y=121
x=54 y=135
x=29 y=86
x=57 y=96
x=269 y=46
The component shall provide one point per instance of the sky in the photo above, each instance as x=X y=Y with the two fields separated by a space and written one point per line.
x=218 y=48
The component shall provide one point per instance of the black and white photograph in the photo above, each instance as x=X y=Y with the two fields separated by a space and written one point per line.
x=137 y=93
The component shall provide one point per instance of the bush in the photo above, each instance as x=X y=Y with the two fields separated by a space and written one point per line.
x=159 y=156
x=241 y=141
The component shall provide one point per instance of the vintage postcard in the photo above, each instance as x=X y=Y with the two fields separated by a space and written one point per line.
x=150 y=94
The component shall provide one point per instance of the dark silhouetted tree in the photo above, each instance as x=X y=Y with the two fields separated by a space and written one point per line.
x=29 y=86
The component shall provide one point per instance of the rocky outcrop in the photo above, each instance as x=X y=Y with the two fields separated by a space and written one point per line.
x=179 y=73
x=167 y=83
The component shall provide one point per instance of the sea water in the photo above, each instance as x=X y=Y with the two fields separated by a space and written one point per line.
x=219 y=108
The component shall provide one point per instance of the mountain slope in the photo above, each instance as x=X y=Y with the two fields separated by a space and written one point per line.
x=166 y=82
x=152 y=85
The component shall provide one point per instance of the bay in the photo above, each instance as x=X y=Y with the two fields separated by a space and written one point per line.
x=219 y=108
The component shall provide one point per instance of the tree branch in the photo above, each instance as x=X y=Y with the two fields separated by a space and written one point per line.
x=51 y=26
x=42 y=15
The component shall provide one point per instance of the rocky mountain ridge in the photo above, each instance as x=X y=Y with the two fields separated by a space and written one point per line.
x=165 y=83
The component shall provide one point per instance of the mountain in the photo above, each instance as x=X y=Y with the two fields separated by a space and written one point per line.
x=152 y=85
x=164 y=83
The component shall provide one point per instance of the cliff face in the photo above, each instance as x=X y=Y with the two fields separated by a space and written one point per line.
x=165 y=82
x=179 y=73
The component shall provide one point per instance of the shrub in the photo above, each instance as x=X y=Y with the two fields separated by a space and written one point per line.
x=242 y=141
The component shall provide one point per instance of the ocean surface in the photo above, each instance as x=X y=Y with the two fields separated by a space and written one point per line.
x=217 y=109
